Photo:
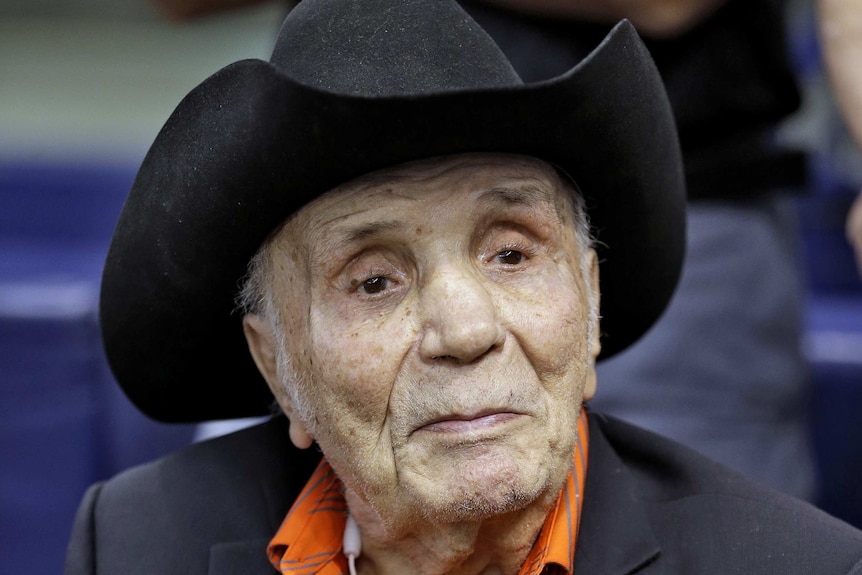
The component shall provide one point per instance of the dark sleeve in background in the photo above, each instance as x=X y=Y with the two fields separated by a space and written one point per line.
x=729 y=80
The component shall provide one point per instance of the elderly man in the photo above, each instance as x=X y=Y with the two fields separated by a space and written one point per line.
x=407 y=225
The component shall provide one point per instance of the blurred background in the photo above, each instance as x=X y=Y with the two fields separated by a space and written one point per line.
x=85 y=86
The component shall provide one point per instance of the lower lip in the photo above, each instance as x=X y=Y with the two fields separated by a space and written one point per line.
x=468 y=425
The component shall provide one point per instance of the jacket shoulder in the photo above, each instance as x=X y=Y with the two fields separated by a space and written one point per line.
x=165 y=516
x=707 y=518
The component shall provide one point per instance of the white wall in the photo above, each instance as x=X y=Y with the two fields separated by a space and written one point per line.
x=94 y=80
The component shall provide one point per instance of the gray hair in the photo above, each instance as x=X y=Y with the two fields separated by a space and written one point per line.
x=255 y=292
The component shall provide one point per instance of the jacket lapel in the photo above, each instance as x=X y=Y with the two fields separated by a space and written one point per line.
x=615 y=537
x=279 y=476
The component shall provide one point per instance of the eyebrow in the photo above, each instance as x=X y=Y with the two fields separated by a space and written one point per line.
x=352 y=235
x=526 y=195
x=347 y=236
x=529 y=196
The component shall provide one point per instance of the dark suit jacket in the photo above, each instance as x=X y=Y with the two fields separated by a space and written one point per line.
x=651 y=506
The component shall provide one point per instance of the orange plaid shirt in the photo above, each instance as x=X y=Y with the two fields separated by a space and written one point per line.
x=310 y=537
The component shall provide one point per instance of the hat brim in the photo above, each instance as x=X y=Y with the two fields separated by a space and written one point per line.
x=250 y=146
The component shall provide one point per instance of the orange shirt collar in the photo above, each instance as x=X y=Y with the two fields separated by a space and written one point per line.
x=310 y=537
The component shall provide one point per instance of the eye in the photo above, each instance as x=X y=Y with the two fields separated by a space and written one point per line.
x=510 y=257
x=374 y=285
x=375 y=274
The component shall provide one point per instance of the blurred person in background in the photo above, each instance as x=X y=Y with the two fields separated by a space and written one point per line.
x=726 y=356
x=841 y=37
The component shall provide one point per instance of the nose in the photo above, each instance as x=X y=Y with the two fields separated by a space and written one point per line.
x=460 y=318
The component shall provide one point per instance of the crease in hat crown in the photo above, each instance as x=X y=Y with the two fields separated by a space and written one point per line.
x=389 y=48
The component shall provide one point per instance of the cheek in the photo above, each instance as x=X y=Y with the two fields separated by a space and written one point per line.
x=354 y=363
x=552 y=326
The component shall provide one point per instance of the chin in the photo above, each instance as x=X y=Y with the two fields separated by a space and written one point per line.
x=481 y=506
x=485 y=487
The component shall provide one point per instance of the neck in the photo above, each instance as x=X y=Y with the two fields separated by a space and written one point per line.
x=498 y=545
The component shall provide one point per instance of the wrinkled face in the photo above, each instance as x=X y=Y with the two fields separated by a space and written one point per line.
x=437 y=319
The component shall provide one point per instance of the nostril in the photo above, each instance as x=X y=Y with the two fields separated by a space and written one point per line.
x=445 y=358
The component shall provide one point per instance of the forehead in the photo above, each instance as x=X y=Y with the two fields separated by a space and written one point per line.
x=475 y=180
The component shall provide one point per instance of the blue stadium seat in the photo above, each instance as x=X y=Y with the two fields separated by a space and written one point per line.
x=63 y=422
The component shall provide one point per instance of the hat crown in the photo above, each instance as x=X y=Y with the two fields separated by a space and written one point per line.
x=389 y=48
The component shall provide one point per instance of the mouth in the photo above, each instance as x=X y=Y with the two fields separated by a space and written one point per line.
x=459 y=424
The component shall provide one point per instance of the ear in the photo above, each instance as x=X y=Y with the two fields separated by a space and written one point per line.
x=262 y=346
x=596 y=343
x=299 y=435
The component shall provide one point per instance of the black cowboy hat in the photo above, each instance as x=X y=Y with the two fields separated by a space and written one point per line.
x=354 y=87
